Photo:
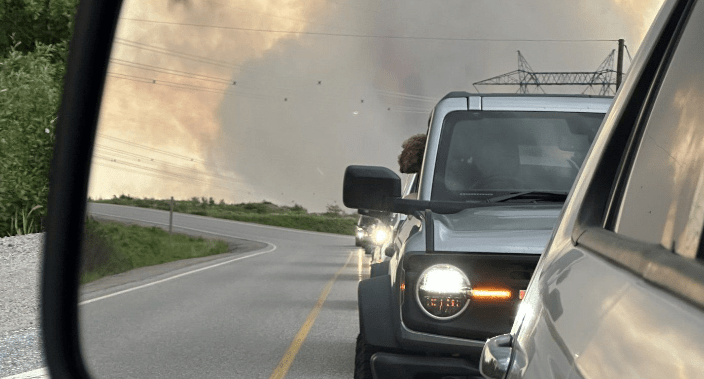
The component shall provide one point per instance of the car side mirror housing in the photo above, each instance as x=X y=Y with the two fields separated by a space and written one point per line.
x=370 y=187
x=496 y=357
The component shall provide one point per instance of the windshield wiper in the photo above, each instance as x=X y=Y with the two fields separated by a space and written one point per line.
x=537 y=195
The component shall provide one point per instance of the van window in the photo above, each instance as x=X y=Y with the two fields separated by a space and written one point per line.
x=663 y=201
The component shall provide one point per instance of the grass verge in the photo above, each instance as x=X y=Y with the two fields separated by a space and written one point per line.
x=111 y=248
x=265 y=213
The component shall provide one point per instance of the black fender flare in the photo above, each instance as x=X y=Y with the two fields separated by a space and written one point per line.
x=375 y=311
x=377 y=269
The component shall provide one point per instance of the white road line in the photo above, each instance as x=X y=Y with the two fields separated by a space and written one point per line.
x=272 y=248
x=41 y=373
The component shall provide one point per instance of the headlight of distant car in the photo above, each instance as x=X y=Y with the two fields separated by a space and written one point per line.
x=443 y=291
x=359 y=233
x=380 y=235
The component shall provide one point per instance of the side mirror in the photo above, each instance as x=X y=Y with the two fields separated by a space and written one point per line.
x=389 y=251
x=496 y=357
x=370 y=187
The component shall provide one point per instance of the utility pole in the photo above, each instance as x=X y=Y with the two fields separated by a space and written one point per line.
x=619 y=64
x=171 y=215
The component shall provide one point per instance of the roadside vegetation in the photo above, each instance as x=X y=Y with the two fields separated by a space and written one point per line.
x=111 y=248
x=34 y=39
x=334 y=220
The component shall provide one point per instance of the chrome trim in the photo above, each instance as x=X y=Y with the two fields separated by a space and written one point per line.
x=466 y=291
x=408 y=334
x=496 y=357
x=427 y=172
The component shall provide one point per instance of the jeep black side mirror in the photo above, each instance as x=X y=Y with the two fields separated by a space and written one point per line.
x=389 y=251
x=370 y=187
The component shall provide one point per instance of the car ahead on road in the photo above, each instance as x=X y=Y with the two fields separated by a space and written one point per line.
x=619 y=291
x=495 y=174
x=373 y=230
x=379 y=252
x=362 y=235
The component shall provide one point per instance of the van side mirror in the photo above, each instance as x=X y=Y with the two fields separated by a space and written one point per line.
x=370 y=187
x=496 y=357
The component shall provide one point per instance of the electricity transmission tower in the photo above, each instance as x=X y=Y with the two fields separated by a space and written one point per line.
x=605 y=77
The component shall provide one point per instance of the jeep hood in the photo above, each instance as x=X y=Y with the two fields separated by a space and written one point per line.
x=511 y=229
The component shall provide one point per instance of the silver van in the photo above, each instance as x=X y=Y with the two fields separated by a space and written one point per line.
x=619 y=292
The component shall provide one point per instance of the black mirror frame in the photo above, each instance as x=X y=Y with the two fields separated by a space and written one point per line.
x=370 y=187
x=87 y=63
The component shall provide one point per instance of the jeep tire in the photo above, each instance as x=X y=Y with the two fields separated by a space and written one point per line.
x=362 y=358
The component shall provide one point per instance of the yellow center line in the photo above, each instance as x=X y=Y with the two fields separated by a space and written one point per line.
x=285 y=364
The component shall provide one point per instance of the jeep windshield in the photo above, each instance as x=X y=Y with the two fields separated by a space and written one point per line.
x=482 y=155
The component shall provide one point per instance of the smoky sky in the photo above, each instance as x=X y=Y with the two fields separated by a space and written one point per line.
x=288 y=112
x=293 y=141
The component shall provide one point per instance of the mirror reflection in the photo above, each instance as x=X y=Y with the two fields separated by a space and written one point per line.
x=217 y=242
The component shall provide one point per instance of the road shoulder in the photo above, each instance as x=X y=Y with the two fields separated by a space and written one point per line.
x=140 y=275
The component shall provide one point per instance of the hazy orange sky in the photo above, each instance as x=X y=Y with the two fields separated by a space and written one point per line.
x=304 y=106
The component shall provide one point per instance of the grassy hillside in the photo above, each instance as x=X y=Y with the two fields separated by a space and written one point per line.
x=266 y=213
x=110 y=248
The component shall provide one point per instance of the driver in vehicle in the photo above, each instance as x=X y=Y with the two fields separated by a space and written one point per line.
x=493 y=165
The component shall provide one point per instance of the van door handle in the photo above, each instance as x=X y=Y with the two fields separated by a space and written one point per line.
x=496 y=357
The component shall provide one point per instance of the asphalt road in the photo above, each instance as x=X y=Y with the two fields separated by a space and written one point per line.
x=288 y=309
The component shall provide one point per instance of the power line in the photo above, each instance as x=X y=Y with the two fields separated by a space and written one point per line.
x=157 y=49
x=164 y=83
x=149 y=148
x=407 y=96
x=151 y=81
x=273 y=15
x=630 y=60
x=149 y=160
x=187 y=86
x=525 y=77
x=239 y=95
x=160 y=173
x=409 y=111
x=169 y=71
x=186 y=74
x=199 y=58
x=367 y=36
x=359 y=9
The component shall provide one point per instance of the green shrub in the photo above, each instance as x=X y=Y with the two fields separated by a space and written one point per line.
x=98 y=251
x=23 y=23
x=29 y=101
x=110 y=248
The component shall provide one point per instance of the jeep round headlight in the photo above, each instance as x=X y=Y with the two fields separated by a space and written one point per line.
x=443 y=291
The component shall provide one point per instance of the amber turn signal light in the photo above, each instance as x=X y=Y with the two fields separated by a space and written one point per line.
x=490 y=294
